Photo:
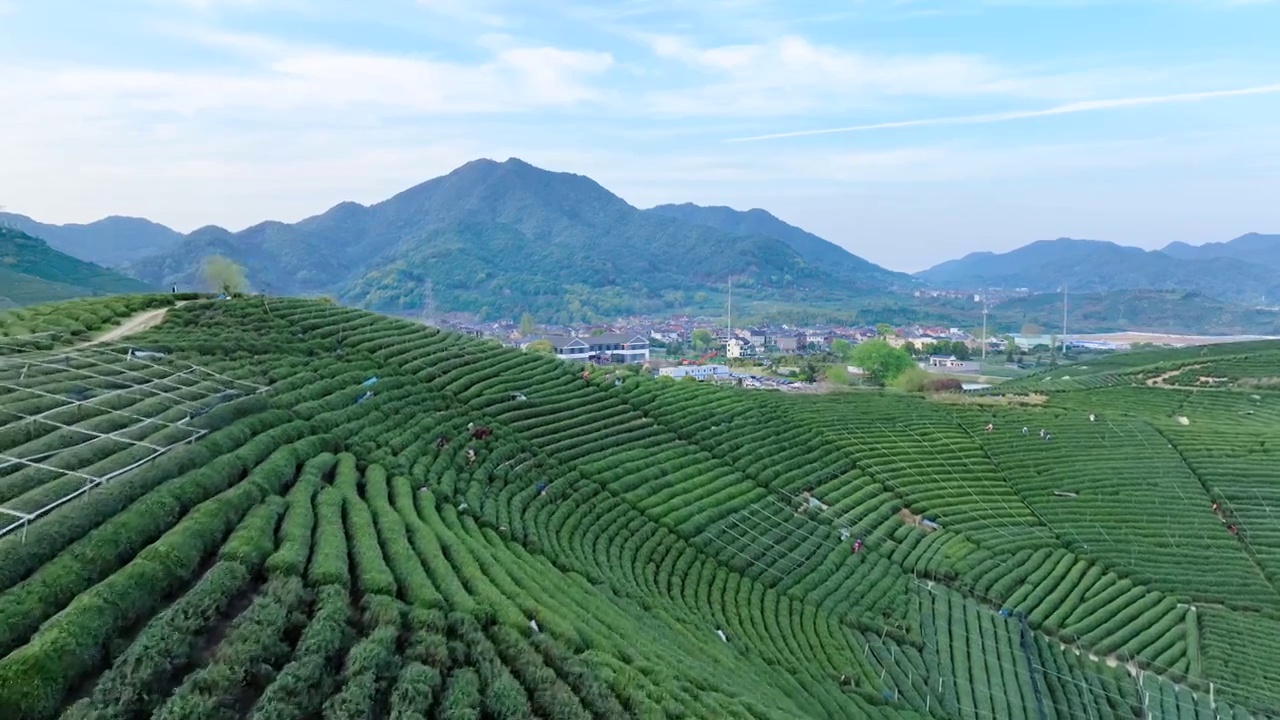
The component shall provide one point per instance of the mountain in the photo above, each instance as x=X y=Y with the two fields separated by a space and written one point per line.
x=1251 y=248
x=33 y=272
x=499 y=239
x=111 y=241
x=1097 y=266
x=813 y=249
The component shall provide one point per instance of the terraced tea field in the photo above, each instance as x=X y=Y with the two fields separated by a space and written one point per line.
x=289 y=509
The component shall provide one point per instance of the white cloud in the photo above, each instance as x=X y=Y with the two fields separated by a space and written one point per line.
x=1066 y=109
x=296 y=79
x=792 y=76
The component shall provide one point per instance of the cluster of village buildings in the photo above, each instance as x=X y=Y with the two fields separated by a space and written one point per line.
x=640 y=340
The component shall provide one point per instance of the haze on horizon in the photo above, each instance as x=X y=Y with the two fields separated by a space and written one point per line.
x=946 y=126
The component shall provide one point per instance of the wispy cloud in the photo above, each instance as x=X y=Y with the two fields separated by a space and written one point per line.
x=1065 y=109
x=791 y=75
x=289 y=76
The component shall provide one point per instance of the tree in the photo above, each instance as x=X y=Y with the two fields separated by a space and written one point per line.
x=223 y=275
x=960 y=350
x=702 y=339
x=808 y=372
x=884 y=330
x=1010 y=347
x=527 y=326
x=837 y=374
x=910 y=348
x=842 y=348
x=541 y=346
x=675 y=349
x=880 y=361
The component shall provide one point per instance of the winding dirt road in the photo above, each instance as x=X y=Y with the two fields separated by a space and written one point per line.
x=142 y=321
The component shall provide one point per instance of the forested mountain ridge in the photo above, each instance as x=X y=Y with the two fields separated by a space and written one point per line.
x=501 y=238
x=1099 y=266
x=815 y=250
x=1250 y=247
x=111 y=241
x=32 y=272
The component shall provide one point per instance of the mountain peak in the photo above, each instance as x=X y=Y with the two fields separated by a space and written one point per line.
x=1253 y=248
x=812 y=249
x=1101 y=266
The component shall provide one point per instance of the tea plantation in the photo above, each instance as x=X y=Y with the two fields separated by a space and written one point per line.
x=284 y=509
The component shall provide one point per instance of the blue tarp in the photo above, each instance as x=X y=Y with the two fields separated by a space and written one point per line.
x=369 y=382
x=364 y=397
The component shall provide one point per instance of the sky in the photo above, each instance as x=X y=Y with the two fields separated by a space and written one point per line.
x=908 y=131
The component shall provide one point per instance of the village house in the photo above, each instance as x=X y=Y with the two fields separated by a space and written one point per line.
x=791 y=342
x=606 y=347
x=667 y=335
x=736 y=348
x=757 y=337
x=820 y=339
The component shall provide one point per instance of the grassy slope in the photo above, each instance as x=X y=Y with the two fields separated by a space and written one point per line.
x=668 y=516
x=32 y=272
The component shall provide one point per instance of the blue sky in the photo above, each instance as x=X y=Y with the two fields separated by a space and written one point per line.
x=963 y=124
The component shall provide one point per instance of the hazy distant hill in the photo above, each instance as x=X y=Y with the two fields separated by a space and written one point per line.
x=1097 y=266
x=815 y=250
x=501 y=238
x=1165 y=311
x=111 y=241
x=1252 y=248
x=32 y=272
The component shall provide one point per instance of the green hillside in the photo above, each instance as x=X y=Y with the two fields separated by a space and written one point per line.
x=111 y=241
x=32 y=272
x=314 y=511
x=1239 y=365
x=498 y=239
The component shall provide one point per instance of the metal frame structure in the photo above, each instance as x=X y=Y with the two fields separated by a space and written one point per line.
x=107 y=372
x=766 y=554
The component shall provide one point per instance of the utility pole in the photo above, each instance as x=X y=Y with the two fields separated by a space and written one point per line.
x=984 y=324
x=428 y=305
x=1064 y=321
x=729 y=338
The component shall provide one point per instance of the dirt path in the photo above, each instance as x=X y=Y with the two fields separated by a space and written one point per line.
x=134 y=325
x=1158 y=381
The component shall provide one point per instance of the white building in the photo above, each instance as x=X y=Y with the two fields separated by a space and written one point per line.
x=610 y=347
x=736 y=348
x=952 y=363
x=697 y=372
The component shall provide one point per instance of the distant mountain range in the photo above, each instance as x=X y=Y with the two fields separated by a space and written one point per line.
x=1241 y=271
x=498 y=239
x=110 y=242
x=1163 y=311
x=32 y=272
x=1250 y=248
